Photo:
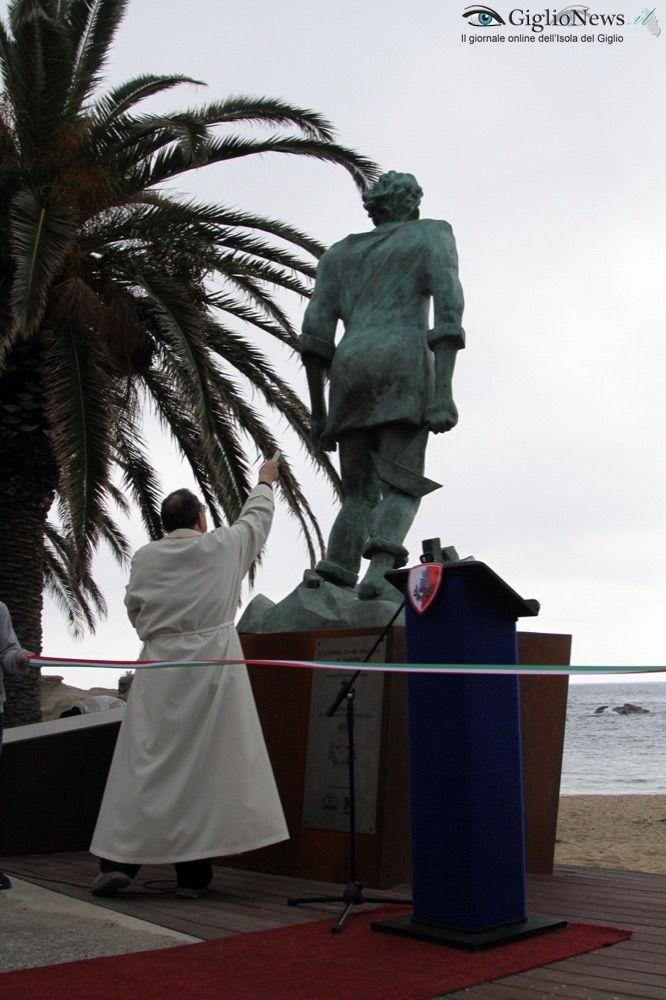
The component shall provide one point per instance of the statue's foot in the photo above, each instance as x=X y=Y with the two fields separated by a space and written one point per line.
x=335 y=573
x=368 y=590
x=373 y=584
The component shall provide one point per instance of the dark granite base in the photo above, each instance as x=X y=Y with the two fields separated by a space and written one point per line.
x=472 y=940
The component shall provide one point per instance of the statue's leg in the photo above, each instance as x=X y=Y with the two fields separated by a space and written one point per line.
x=350 y=530
x=394 y=514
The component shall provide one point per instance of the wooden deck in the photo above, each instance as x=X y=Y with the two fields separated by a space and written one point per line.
x=248 y=901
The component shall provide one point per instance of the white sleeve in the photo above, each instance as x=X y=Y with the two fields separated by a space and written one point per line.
x=253 y=525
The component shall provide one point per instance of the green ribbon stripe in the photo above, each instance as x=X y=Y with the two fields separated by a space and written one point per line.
x=456 y=668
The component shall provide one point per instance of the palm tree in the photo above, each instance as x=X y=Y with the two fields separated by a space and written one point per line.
x=118 y=296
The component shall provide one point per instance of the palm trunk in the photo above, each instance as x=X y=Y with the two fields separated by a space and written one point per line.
x=28 y=488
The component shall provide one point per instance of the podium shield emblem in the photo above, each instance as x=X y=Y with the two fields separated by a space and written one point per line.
x=422 y=585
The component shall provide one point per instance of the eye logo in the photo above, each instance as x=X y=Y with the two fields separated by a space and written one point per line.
x=483 y=17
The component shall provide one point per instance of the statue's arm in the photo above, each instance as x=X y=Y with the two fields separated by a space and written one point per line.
x=442 y=414
x=447 y=336
x=317 y=345
x=315 y=370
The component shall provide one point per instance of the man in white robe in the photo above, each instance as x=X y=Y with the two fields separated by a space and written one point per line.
x=190 y=778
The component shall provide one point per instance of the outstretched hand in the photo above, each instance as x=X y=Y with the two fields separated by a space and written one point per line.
x=269 y=471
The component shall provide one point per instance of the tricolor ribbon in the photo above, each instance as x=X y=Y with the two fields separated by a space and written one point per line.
x=425 y=668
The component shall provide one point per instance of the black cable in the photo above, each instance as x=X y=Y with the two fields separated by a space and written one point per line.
x=151 y=885
x=400 y=607
x=348 y=684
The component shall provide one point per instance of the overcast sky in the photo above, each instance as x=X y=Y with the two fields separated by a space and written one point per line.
x=547 y=158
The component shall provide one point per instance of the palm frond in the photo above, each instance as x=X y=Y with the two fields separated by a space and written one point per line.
x=5 y=56
x=36 y=78
x=222 y=473
x=40 y=238
x=173 y=161
x=93 y=25
x=119 y=100
x=75 y=593
x=115 y=540
x=78 y=410
x=139 y=476
x=251 y=109
x=242 y=357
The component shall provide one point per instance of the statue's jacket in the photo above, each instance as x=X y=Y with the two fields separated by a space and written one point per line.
x=381 y=284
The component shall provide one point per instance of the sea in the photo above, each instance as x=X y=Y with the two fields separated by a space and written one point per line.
x=608 y=753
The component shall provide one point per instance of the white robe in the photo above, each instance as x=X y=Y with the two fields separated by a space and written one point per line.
x=190 y=776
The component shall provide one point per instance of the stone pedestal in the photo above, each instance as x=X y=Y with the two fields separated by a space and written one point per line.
x=284 y=698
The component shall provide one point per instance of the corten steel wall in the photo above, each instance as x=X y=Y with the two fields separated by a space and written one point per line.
x=543 y=710
x=52 y=778
x=51 y=785
x=283 y=698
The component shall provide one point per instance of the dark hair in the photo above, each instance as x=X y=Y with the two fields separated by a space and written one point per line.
x=180 y=510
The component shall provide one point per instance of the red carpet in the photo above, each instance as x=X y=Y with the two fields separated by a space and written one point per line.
x=305 y=962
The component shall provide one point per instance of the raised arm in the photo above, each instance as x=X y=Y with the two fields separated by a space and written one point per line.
x=255 y=519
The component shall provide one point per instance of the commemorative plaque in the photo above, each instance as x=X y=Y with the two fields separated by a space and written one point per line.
x=326 y=793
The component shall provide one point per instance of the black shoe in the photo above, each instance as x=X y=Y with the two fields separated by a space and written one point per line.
x=5 y=883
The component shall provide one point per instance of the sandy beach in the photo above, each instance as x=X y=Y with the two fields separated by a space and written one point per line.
x=612 y=831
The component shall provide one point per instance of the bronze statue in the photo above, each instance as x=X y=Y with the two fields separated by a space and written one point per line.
x=389 y=376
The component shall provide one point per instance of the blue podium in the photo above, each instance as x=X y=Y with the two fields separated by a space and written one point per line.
x=468 y=866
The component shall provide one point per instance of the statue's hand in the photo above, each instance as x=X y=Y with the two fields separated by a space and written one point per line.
x=441 y=416
x=320 y=438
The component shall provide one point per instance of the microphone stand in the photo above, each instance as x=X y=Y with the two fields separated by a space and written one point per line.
x=354 y=892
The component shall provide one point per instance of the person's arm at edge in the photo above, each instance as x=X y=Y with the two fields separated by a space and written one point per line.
x=12 y=656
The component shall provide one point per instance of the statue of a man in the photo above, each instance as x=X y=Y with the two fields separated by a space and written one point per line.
x=389 y=376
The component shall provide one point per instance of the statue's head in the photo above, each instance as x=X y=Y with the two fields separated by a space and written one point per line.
x=394 y=197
